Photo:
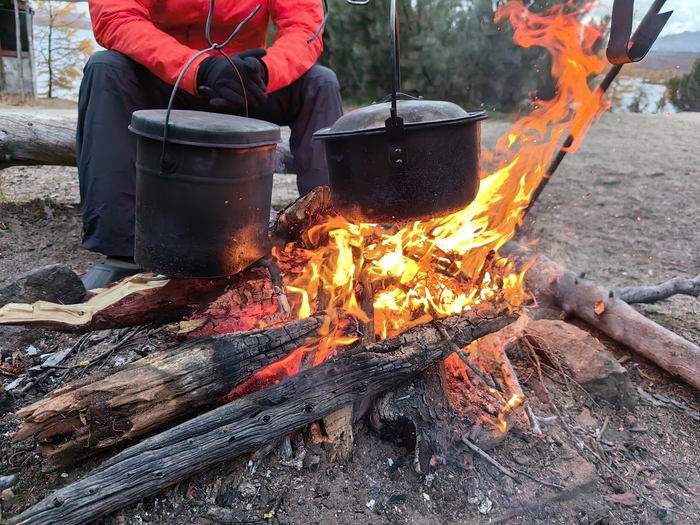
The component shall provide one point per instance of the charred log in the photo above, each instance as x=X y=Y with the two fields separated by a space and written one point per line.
x=252 y=421
x=97 y=413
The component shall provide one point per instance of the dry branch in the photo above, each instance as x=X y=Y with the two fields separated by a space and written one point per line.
x=582 y=298
x=49 y=140
x=652 y=294
x=250 y=422
x=90 y=415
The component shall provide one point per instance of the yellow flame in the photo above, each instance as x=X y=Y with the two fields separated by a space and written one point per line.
x=446 y=265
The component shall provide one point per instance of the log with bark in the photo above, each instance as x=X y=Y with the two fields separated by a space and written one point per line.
x=99 y=412
x=602 y=309
x=249 y=423
x=134 y=302
x=49 y=140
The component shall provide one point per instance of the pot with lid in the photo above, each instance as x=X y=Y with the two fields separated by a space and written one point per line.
x=404 y=159
x=203 y=194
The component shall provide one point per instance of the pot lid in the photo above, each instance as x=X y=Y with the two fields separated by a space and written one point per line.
x=199 y=128
x=413 y=112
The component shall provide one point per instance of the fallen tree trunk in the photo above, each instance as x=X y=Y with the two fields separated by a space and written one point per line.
x=254 y=420
x=49 y=140
x=97 y=413
x=603 y=310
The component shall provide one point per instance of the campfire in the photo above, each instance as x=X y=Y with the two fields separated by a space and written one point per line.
x=351 y=311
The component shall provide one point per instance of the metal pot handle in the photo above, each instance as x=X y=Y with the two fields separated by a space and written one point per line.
x=167 y=162
x=395 y=132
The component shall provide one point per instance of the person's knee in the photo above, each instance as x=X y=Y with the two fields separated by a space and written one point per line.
x=111 y=59
x=320 y=76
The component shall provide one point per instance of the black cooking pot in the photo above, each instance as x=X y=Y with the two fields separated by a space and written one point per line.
x=403 y=160
x=437 y=174
x=202 y=197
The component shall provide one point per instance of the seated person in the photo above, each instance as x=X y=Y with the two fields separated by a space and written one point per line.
x=148 y=43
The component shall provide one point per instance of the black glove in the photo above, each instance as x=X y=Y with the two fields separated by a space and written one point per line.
x=218 y=82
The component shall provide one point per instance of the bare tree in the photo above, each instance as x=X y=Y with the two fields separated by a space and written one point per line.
x=60 y=53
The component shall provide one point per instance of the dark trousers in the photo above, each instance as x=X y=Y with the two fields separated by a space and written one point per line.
x=114 y=86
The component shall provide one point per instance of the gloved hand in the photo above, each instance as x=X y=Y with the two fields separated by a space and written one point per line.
x=218 y=82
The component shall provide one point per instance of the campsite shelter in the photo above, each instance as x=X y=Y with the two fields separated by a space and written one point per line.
x=12 y=14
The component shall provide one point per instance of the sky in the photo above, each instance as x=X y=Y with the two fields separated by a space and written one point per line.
x=685 y=17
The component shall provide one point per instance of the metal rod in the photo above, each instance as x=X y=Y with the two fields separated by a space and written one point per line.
x=394 y=53
x=18 y=40
x=601 y=89
x=30 y=37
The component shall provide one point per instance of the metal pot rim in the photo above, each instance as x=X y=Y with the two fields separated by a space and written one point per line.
x=474 y=116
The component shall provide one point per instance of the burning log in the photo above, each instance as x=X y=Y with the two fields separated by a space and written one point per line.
x=257 y=419
x=603 y=310
x=97 y=413
x=134 y=301
x=49 y=140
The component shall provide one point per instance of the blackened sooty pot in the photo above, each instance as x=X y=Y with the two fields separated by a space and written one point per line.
x=202 y=198
x=426 y=166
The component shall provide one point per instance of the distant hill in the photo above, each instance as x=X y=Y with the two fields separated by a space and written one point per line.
x=688 y=42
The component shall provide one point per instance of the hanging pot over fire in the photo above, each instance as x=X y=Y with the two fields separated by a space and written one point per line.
x=404 y=159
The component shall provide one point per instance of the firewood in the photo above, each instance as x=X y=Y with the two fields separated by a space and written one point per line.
x=254 y=420
x=99 y=412
x=133 y=302
x=49 y=140
x=602 y=309
x=339 y=424
x=295 y=219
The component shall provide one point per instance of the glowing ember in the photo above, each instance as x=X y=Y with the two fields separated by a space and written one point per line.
x=446 y=265
x=512 y=403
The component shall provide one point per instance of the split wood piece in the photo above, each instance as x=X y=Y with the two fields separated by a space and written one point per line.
x=295 y=219
x=133 y=301
x=49 y=140
x=600 y=308
x=97 y=413
x=247 y=423
x=652 y=294
x=339 y=424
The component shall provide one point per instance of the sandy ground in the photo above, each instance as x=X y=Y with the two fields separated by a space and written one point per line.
x=623 y=210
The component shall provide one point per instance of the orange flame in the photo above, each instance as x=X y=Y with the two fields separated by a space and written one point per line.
x=443 y=266
x=512 y=403
x=446 y=265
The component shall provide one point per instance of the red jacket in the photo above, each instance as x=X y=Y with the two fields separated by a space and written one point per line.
x=163 y=35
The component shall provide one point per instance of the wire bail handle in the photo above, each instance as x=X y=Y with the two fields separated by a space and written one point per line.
x=169 y=165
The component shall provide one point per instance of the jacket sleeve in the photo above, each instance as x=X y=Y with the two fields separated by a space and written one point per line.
x=126 y=26
x=290 y=56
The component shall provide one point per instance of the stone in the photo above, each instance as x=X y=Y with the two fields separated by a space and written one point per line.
x=587 y=361
x=7 y=495
x=55 y=283
x=586 y=419
x=8 y=481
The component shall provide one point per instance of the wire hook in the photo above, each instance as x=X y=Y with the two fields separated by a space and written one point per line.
x=212 y=47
